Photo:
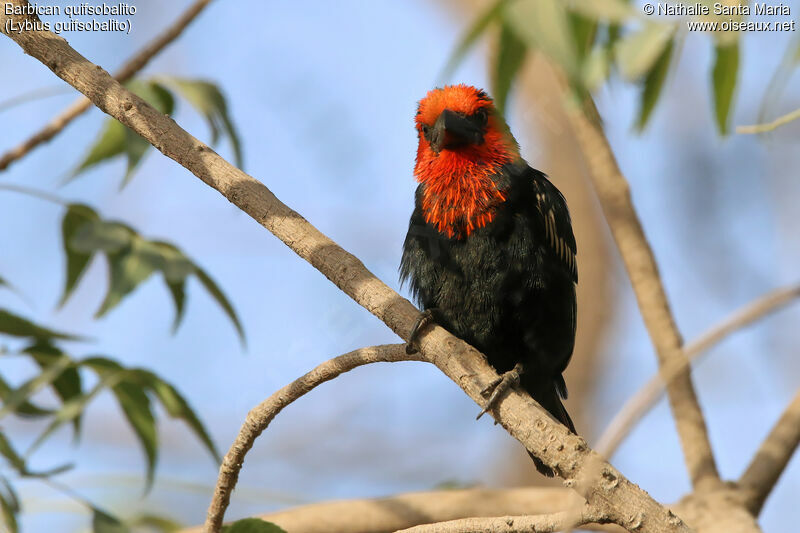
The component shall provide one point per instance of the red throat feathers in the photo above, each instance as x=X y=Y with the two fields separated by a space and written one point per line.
x=459 y=193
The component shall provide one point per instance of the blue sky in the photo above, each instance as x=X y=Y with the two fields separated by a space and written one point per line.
x=324 y=98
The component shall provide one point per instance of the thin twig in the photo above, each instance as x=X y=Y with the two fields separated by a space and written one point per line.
x=769 y=126
x=128 y=70
x=260 y=416
x=34 y=193
x=772 y=457
x=31 y=96
x=614 y=194
x=546 y=523
x=647 y=397
x=601 y=484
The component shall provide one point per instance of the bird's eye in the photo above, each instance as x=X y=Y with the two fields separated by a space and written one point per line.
x=481 y=116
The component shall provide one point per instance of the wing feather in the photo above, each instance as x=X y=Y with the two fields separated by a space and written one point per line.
x=557 y=226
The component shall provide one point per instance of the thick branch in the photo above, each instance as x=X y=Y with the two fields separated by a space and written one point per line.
x=600 y=483
x=77 y=108
x=615 y=198
x=772 y=457
x=260 y=416
x=646 y=398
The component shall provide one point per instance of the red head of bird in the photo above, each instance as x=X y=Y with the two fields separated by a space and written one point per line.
x=463 y=145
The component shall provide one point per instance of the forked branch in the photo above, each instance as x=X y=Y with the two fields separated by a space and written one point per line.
x=646 y=398
x=614 y=194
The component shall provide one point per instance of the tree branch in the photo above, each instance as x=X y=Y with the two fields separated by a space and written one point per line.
x=378 y=515
x=769 y=126
x=77 y=108
x=614 y=194
x=543 y=523
x=646 y=398
x=600 y=483
x=772 y=457
x=260 y=416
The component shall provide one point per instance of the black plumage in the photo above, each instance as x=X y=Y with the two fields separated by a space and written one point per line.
x=507 y=288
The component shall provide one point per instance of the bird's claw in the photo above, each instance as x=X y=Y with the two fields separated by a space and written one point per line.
x=424 y=320
x=499 y=386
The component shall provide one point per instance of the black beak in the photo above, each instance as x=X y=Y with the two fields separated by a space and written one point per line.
x=453 y=130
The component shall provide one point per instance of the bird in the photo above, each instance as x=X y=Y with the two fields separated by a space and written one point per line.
x=490 y=254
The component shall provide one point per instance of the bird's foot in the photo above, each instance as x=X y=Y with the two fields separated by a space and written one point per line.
x=424 y=320
x=499 y=386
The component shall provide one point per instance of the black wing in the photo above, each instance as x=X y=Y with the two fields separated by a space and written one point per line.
x=554 y=214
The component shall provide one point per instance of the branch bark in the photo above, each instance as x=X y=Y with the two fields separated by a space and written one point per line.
x=601 y=484
x=646 y=398
x=260 y=416
x=379 y=515
x=77 y=108
x=544 y=523
x=772 y=457
x=615 y=198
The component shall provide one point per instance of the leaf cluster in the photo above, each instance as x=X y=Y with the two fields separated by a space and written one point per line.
x=593 y=40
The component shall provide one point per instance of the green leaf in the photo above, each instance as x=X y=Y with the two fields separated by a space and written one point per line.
x=544 y=24
x=175 y=267
x=596 y=68
x=75 y=218
x=510 y=56
x=156 y=522
x=102 y=236
x=468 y=40
x=724 y=74
x=17 y=326
x=252 y=525
x=638 y=52
x=131 y=261
x=9 y=505
x=136 y=406
x=178 y=291
x=128 y=268
x=25 y=409
x=176 y=406
x=154 y=94
x=19 y=396
x=67 y=385
x=135 y=148
x=219 y=296
x=117 y=139
x=167 y=258
x=110 y=143
x=603 y=10
x=105 y=523
x=209 y=101
x=584 y=30
x=75 y=407
x=653 y=83
x=17 y=462
x=13 y=458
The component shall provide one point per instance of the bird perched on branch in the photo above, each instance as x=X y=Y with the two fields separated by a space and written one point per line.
x=490 y=253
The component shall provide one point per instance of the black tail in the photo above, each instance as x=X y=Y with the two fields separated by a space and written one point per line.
x=549 y=396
